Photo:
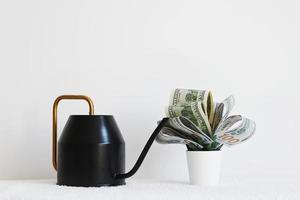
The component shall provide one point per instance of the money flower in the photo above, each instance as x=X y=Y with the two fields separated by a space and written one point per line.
x=202 y=124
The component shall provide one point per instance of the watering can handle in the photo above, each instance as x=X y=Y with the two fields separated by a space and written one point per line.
x=54 y=123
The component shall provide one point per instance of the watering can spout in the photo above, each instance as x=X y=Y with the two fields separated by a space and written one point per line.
x=144 y=151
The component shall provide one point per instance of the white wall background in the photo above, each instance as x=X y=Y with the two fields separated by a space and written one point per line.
x=128 y=55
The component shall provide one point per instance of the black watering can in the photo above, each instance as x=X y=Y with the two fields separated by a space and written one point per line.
x=91 y=149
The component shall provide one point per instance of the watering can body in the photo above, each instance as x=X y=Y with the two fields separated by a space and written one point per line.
x=91 y=149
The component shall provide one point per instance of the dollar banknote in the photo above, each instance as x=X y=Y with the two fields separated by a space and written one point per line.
x=182 y=110
x=229 y=123
x=234 y=130
x=170 y=136
x=202 y=124
x=228 y=105
x=188 y=96
x=219 y=107
x=201 y=117
x=187 y=127
x=193 y=112
x=182 y=128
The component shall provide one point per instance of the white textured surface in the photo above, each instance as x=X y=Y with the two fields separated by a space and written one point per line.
x=250 y=188
x=128 y=55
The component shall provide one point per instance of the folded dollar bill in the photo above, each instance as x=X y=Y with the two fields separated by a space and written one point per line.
x=202 y=124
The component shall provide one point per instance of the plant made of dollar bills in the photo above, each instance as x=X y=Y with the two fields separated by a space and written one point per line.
x=202 y=124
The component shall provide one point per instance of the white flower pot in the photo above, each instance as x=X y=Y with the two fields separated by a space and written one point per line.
x=204 y=167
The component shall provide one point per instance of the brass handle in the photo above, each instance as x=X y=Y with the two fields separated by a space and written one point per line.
x=54 y=125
